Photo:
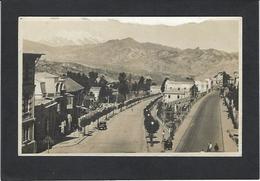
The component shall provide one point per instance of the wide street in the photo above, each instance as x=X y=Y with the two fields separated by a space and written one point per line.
x=204 y=128
x=125 y=134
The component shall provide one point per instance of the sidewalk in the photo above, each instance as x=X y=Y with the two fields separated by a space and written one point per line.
x=229 y=144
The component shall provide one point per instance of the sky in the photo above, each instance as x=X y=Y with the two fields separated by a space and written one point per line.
x=169 y=21
x=204 y=32
x=153 y=20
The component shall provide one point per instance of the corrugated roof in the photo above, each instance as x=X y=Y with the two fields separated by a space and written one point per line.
x=71 y=85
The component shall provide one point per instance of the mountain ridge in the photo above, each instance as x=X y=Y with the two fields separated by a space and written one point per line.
x=130 y=55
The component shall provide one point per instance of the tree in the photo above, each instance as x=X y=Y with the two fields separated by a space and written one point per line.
x=163 y=84
x=194 y=91
x=93 y=78
x=102 y=82
x=123 y=88
x=140 y=83
x=148 y=83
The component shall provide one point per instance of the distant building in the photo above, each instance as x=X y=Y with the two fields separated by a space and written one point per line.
x=209 y=84
x=219 y=79
x=236 y=79
x=177 y=89
x=96 y=92
x=202 y=86
x=155 y=89
x=28 y=88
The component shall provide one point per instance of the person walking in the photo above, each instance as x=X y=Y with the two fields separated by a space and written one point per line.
x=216 y=148
x=209 y=147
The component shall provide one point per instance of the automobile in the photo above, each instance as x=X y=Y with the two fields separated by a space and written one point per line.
x=167 y=144
x=102 y=125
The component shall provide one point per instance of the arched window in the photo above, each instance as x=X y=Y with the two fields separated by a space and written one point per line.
x=57 y=87
x=178 y=96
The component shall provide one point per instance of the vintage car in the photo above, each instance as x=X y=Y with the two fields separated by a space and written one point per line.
x=102 y=126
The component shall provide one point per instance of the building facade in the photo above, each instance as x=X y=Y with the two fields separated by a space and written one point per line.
x=155 y=89
x=177 y=89
x=28 y=88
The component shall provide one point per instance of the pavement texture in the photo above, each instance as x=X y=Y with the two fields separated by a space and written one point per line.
x=125 y=134
x=229 y=144
x=201 y=126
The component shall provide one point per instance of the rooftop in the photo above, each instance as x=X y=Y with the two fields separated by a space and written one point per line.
x=71 y=85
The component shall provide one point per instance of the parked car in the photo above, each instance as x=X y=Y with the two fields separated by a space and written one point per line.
x=102 y=125
x=167 y=144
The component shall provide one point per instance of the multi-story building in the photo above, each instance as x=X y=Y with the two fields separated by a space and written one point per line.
x=202 y=86
x=177 y=89
x=75 y=99
x=50 y=108
x=28 y=119
x=209 y=84
x=219 y=79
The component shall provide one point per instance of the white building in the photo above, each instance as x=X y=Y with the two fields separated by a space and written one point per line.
x=209 y=84
x=177 y=89
x=155 y=89
x=202 y=86
x=95 y=91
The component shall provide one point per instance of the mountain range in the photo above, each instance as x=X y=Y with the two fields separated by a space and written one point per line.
x=216 y=34
x=129 y=55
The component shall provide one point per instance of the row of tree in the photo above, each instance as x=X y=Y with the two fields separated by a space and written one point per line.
x=125 y=84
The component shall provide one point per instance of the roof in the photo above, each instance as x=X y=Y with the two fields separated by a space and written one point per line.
x=180 y=80
x=94 y=89
x=43 y=101
x=41 y=76
x=71 y=85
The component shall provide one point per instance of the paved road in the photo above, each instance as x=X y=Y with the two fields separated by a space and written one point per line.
x=205 y=127
x=125 y=134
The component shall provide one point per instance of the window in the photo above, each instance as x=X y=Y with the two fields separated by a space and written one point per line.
x=184 y=88
x=178 y=96
x=58 y=108
x=26 y=105
x=179 y=88
x=169 y=96
x=26 y=134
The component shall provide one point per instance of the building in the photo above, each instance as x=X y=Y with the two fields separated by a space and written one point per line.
x=28 y=88
x=75 y=99
x=209 y=84
x=47 y=123
x=177 y=89
x=96 y=92
x=202 y=86
x=155 y=89
x=50 y=108
x=219 y=79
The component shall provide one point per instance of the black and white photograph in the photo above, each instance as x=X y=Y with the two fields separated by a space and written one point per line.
x=130 y=86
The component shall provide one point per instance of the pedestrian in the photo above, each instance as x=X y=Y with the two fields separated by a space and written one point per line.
x=216 y=148
x=163 y=133
x=209 y=147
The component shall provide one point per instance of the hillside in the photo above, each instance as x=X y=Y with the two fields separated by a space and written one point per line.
x=140 y=58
